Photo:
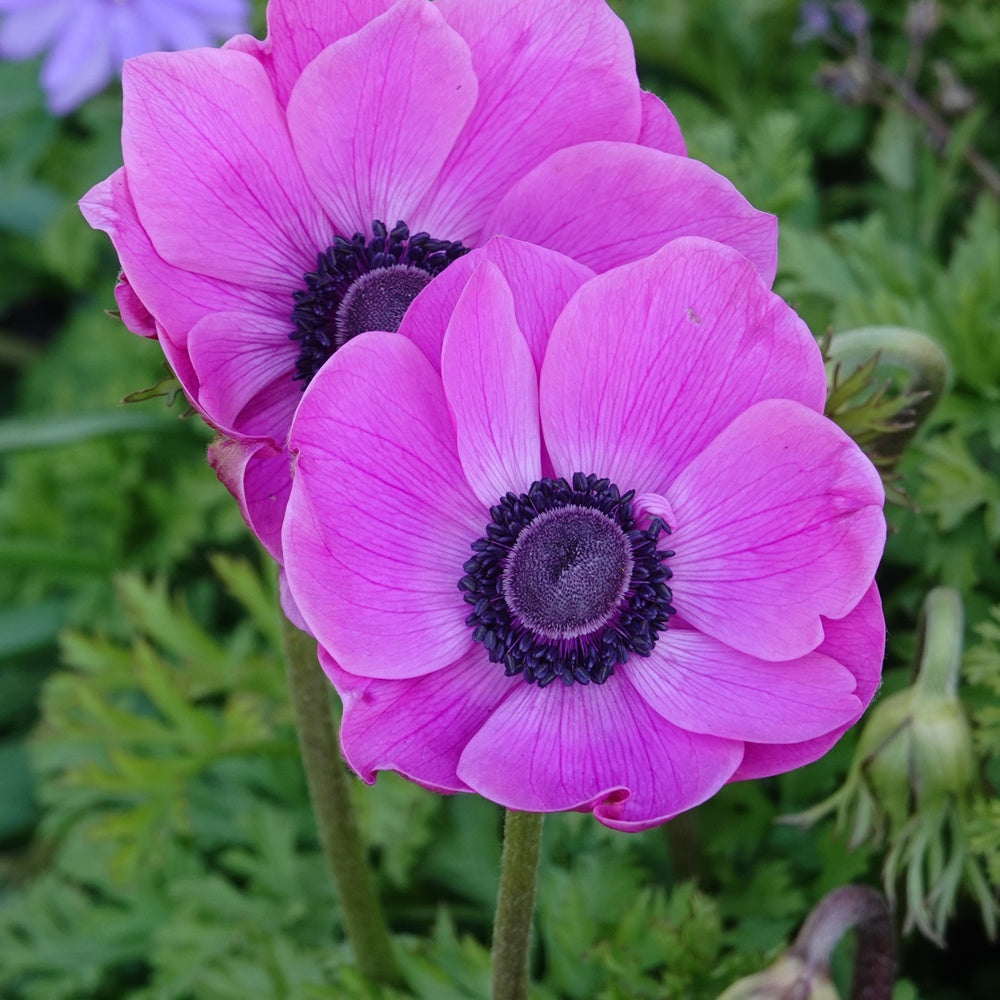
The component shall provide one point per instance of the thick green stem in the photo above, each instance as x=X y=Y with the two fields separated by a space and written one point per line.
x=338 y=830
x=522 y=841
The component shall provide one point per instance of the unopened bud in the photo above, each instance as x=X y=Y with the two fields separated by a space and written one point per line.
x=788 y=979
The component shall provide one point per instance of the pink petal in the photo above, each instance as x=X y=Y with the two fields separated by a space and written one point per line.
x=609 y=203
x=550 y=75
x=177 y=299
x=298 y=30
x=648 y=363
x=375 y=115
x=700 y=685
x=418 y=726
x=237 y=355
x=779 y=521
x=259 y=478
x=858 y=641
x=380 y=519
x=492 y=388
x=597 y=747
x=659 y=127
x=212 y=173
x=540 y=280
x=134 y=314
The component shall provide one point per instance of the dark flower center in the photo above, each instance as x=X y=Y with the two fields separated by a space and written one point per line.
x=564 y=585
x=363 y=284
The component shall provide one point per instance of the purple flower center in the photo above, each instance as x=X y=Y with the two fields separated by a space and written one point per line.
x=363 y=284
x=564 y=585
x=568 y=571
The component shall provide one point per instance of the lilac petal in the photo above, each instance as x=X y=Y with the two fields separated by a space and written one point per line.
x=374 y=154
x=380 y=518
x=648 y=363
x=80 y=62
x=597 y=747
x=659 y=127
x=858 y=642
x=298 y=30
x=779 y=522
x=491 y=385
x=212 y=172
x=609 y=203
x=541 y=281
x=418 y=726
x=27 y=30
x=130 y=33
x=701 y=685
x=550 y=75
x=235 y=356
x=259 y=478
x=174 y=27
x=178 y=299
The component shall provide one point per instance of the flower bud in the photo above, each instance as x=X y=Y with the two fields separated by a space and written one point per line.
x=788 y=979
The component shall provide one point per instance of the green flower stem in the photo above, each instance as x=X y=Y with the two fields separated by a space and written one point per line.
x=367 y=930
x=522 y=841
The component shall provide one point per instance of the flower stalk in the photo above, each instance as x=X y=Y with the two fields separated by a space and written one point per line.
x=522 y=840
x=803 y=972
x=329 y=793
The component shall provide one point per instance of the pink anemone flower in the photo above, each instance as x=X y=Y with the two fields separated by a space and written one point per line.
x=587 y=541
x=279 y=197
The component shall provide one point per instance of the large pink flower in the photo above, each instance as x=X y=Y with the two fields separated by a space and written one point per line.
x=256 y=214
x=587 y=542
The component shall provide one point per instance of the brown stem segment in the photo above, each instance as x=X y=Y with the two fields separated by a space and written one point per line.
x=327 y=779
x=522 y=840
x=859 y=908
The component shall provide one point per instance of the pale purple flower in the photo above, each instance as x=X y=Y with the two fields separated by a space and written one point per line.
x=586 y=542
x=88 y=40
x=268 y=179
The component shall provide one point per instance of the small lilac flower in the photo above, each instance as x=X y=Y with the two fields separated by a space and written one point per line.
x=814 y=21
x=88 y=40
x=280 y=197
x=587 y=542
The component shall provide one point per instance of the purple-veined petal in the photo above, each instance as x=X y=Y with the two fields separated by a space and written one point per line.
x=212 y=173
x=235 y=356
x=375 y=154
x=607 y=204
x=491 y=385
x=858 y=642
x=703 y=686
x=598 y=747
x=648 y=363
x=177 y=298
x=418 y=726
x=779 y=522
x=298 y=30
x=541 y=281
x=550 y=75
x=659 y=127
x=258 y=477
x=380 y=518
